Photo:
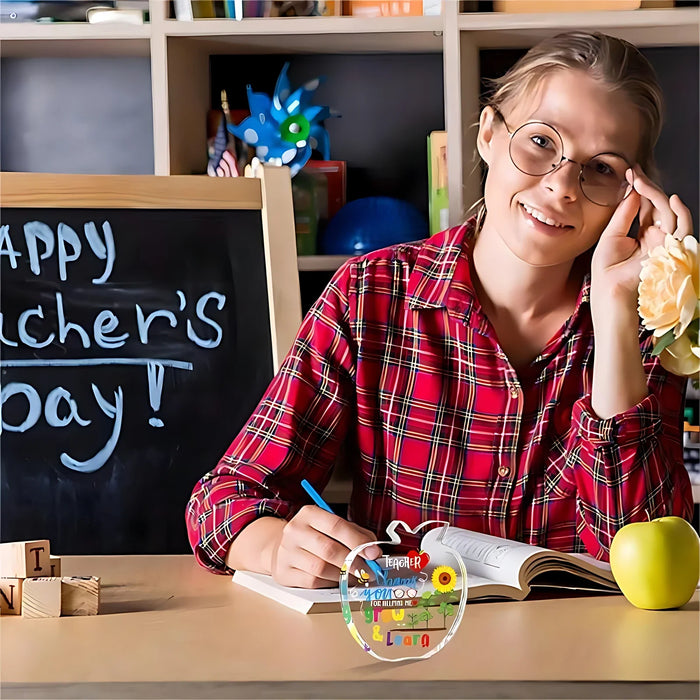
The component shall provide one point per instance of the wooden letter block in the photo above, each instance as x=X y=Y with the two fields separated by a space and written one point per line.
x=41 y=597
x=55 y=564
x=10 y=596
x=80 y=595
x=25 y=559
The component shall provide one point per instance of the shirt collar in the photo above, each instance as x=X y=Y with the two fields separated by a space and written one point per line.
x=441 y=277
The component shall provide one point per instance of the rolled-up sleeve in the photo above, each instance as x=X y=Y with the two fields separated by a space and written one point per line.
x=629 y=467
x=294 y=433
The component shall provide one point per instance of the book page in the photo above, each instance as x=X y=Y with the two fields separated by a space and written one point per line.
x=586 y=560
x=486 y=556
x=582 y=565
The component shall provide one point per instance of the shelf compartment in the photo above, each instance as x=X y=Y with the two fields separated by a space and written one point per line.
x=673 y=27
x=74 y=39
x=313 y=35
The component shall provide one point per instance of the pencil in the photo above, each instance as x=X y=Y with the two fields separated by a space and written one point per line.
x=318 y=500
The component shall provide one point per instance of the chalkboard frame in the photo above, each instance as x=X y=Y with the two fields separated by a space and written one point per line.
x=269 y=192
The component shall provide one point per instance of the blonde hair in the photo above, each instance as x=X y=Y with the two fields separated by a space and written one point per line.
x=615 y=62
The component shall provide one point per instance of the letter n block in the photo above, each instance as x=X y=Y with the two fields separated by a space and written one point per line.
x=10 y=596
x=80 y=595
x=55 y=564
x=25 y=559
x=41 y=597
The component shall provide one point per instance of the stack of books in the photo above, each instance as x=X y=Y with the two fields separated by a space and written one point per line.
x=188 y=10
x=239 y=9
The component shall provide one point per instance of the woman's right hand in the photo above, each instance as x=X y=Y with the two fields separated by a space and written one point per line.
x=313 y=546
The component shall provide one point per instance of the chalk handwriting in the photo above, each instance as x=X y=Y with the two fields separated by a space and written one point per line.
x=65 y=242
x=56 y=398
x=41 y=326
x=155 y=389
x=105 y=323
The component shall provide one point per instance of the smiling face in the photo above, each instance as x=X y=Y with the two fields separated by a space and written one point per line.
x=547 y=220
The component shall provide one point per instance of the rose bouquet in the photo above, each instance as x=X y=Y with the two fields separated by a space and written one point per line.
x=669 y=284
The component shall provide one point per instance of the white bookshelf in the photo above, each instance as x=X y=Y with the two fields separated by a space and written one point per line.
x=316 y=34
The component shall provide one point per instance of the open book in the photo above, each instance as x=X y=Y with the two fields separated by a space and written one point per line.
x=496 y=568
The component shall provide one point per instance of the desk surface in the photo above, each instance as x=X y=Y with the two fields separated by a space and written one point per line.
x=166 y=624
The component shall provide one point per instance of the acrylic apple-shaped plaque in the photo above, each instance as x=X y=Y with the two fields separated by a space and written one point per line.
x=414 y=603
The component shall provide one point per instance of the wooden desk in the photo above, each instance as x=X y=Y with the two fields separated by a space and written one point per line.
x=168 y=629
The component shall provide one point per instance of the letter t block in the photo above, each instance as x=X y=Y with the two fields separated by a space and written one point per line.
x=27 y=559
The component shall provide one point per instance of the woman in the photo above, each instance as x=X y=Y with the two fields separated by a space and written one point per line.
x=493 y=375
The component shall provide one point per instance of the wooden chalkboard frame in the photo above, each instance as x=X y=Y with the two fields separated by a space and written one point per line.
x=269 y=192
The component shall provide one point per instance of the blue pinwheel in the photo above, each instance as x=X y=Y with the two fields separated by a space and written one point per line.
x=286 y=128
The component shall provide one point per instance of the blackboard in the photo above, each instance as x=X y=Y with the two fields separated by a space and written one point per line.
x=136 y=340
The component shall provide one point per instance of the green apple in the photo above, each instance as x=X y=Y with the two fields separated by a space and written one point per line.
x=657 y=563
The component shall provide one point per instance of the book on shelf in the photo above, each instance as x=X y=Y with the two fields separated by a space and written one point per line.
x=240 y=9
x=188 y=10
x=497 y=569
x=303 y=8
x=318 y=191
x=233 y=9
x=330 y=189
x=438 y=198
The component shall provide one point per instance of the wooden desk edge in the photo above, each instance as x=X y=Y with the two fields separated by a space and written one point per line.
x=317 y=690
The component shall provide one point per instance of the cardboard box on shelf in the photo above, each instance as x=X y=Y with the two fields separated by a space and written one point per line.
x=383 y=8
x=578 y=5
x=515 y=6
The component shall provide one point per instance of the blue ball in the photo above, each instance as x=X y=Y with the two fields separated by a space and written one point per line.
x=370 y=223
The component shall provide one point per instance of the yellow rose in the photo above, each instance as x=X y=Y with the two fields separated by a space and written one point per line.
x=681 y=357
x=668 y=286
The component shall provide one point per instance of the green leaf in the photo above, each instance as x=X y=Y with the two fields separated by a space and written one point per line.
x=663 y=342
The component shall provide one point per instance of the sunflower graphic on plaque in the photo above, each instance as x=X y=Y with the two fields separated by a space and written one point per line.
x=412 y=603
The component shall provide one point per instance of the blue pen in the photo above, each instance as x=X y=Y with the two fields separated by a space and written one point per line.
x=316 y=497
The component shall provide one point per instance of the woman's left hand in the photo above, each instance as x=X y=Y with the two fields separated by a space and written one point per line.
x=617 y=259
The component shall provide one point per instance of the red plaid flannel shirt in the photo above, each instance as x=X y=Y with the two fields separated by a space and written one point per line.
x=398 y=356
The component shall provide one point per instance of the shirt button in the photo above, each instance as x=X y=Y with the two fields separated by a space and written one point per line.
x=514 y=391
x=503 y=471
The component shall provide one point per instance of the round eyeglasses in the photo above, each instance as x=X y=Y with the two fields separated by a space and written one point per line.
x=536 y=148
